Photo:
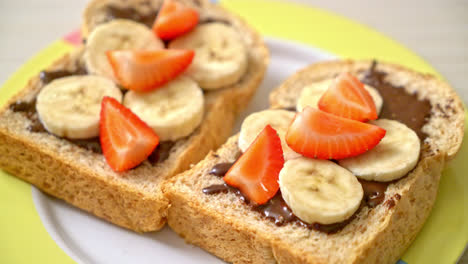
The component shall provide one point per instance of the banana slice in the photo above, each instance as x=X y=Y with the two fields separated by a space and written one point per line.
x=319 y=191
x=220 y=55
x=392 y=158
x=312 y=93
x=173 y=111
x=256 y=122
x=70 y=106
x=119 y=34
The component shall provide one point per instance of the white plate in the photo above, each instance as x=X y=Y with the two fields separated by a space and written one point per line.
x=88 y=239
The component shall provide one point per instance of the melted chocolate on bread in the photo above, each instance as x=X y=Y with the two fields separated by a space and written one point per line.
x=398 y=105
x=160 y=154
x=48 y=76
x=114 y=12
x=278 y=211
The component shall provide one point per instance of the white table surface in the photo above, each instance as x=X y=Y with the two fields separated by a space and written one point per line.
x=436 y=30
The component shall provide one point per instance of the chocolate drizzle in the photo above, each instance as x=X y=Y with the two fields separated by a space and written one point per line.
x=221 y=168
x=161 y=153
x=214 y=20
x=91 y=144
x=277 y=211
x=374 y=192
x=48 y=76
x=114 y=12
x=291 y=108
x=36 y=125
x=224 y=188
x=398 y=104
x=26 y=107
x=29 y=110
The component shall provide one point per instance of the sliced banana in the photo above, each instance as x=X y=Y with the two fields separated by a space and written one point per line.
x=312 y=93
x=173 y=111
x=70 y=107
x=319 y=191
x=220 y=55
x=119 y=34
x=256 y=122
x=392 y=158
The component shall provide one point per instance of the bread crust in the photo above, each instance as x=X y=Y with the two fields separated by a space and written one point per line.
x=133 y=199
x=226 y=227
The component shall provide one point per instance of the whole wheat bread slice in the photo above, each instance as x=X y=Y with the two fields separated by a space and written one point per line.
x=230 y=229
x=133 y=199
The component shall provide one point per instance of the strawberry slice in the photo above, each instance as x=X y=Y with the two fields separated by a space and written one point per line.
x=175 y=19
x=256 y=172
x=348 y=98
x=144 y=71
x=317 y=134
x=126 y=141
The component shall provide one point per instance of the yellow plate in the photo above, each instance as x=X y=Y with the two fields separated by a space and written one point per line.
x=23 y=238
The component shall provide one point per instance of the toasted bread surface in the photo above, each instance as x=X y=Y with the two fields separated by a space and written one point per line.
x=133 y=199
x=230 y=229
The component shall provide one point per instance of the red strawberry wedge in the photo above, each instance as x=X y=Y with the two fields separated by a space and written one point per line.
x=126 y=141
x=348 y=98
x=144 y=71
x=317 y=134
x=175 y=19
x=256 y=172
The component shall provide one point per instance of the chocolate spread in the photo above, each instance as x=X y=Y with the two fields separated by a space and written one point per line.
x=224 y=188
x=161 y=153
x=221 y=168
x=374 y=192
x=214 y=20
x=29 y=109
x=48 y=76
x=114 y=12
x=291 y=108
x=398 y=105
x=91 y=144
x=278 y=211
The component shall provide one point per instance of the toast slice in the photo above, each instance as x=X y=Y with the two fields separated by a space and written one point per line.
x=133 y=199
x=227 y=227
